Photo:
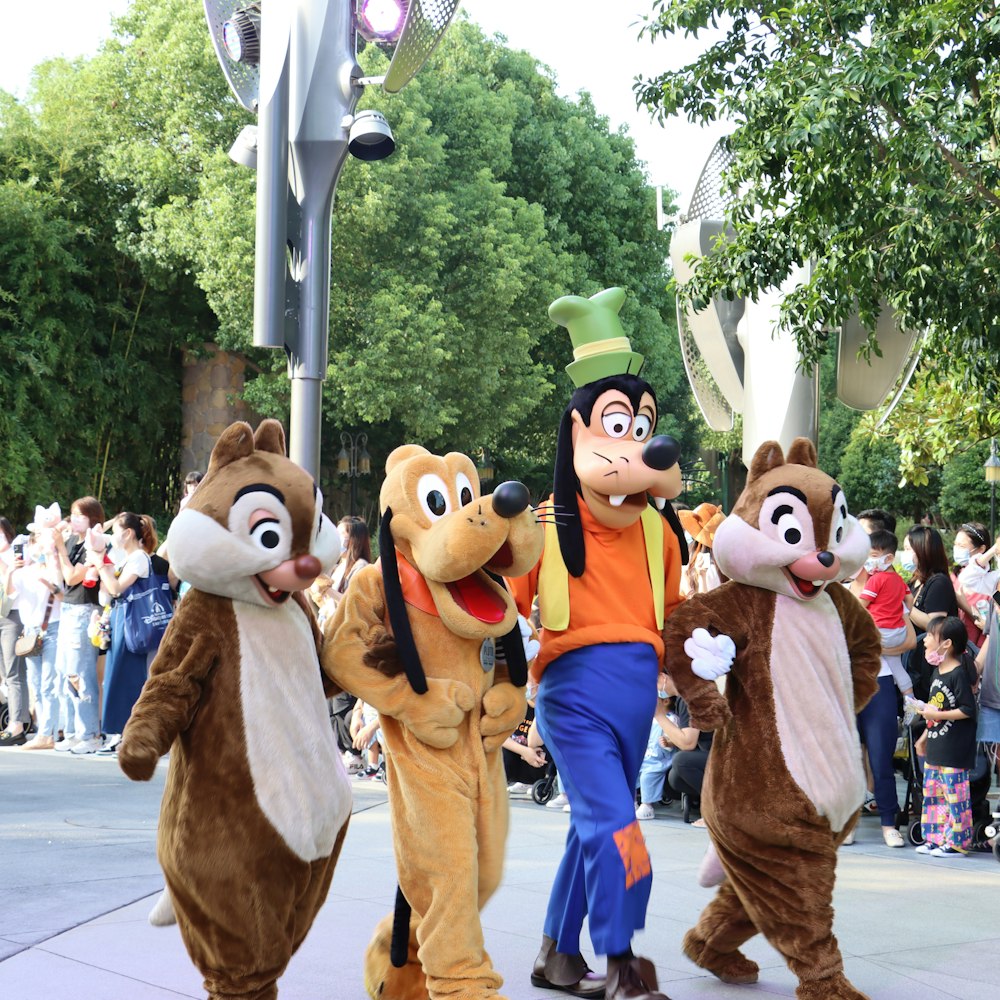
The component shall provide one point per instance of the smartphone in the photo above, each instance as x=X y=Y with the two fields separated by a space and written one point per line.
x=18 y=548
x=996 y=597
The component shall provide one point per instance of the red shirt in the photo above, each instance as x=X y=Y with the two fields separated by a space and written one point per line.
x=884 y=594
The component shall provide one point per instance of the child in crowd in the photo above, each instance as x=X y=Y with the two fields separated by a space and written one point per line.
x=671 y=731
x=949 y=742
x=367 y=737
x=884 y=595
x=524 y=757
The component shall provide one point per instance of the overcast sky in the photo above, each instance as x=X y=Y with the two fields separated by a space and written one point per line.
x=589 y=44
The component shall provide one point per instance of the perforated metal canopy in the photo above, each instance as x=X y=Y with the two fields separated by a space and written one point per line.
x=426 y=22
x=708 y=200
x=243 y=78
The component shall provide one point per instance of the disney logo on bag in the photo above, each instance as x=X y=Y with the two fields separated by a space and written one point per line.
x=158 y=615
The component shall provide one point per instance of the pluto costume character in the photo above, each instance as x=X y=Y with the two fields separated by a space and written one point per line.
x=784 y=780
x=607 y=579
x=415 y=639
x=257 y=800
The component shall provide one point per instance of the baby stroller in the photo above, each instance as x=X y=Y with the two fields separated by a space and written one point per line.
x=543 y=789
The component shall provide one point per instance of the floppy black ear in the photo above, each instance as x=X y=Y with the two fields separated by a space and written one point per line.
x=564 y=494
x=512 y=647
x=398 y=618
x=670 y=516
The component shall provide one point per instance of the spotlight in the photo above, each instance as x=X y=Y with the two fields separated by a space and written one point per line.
x=370 y=137
x=244 y=150
x=241 y=35
x=381 y=20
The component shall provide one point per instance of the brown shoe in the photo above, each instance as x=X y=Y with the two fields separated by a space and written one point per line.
x=632 y=979
x=567 y=973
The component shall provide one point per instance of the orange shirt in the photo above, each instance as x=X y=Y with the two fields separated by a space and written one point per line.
x=613 y=600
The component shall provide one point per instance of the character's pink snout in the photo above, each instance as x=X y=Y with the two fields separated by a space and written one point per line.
x=817 y=566
x=293 y=574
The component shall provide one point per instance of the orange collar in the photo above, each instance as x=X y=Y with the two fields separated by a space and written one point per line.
x=416 y=593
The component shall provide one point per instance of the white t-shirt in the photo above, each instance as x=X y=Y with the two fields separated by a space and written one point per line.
x=137 y=565
x=7 y=557
x=34 y=596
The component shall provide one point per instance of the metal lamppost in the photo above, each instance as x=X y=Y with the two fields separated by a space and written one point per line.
x=992 y=470
x=353 y=461
x=294 y=64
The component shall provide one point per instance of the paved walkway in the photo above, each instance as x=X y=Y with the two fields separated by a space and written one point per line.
x=79 y=875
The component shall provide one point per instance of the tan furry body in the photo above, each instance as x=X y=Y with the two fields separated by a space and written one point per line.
x=444 y=770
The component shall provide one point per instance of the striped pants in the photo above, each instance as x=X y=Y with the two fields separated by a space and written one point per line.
x=947 y=815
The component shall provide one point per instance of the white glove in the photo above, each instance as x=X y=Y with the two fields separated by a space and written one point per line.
x=711 y=656
x=531 y=646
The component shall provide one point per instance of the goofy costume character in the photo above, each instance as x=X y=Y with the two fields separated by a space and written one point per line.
x=608 y=577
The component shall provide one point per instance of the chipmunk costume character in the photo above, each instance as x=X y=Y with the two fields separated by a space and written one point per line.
x=784 y=781
x=415 y=639
x=257 y=800
x=607 y=580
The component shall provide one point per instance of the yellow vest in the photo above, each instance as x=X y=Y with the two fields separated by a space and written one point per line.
x=553 y=577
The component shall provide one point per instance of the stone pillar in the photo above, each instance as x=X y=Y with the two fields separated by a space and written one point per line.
x=212 y=398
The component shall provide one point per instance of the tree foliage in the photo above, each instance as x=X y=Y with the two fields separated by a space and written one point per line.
x=500 y=197
x=865 y=139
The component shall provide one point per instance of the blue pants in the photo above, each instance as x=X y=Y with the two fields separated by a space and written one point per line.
x=593 y=709
x=879 y=730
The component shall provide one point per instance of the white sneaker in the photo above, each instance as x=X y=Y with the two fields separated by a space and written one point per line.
x=558 y=802
x=518 y=788
x=926 y=848
x=109 y=748
x=352 y=762
x=68 y=743
x=892 y=837
x=90 y=745
x=644 y=811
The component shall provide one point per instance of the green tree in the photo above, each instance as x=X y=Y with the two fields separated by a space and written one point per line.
x=869 y=474
x=864 y=139
x=965 y=494
x=500 y=197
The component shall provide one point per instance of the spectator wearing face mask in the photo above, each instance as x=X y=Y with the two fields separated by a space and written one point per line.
x=932 y=595
x=974 y=585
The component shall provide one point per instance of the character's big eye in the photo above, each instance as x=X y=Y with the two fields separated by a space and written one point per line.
x=266 y=534
x=643 y=425
x=463 y=487
x=789 y=527
x=433 y=496
x=616 y=424
x=839 y=518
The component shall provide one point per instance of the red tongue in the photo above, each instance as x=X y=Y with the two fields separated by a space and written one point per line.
x=473 y=597
x=806 y=586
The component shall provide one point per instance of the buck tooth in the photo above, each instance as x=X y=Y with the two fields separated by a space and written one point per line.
x=660 y=502
x=818 y=583
x=618 y=501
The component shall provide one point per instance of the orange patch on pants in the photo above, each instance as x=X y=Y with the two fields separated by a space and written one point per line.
x=635 y=857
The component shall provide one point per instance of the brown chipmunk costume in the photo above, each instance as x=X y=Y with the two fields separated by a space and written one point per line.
x=443 y=548
x=784 y=782
x=257 y=800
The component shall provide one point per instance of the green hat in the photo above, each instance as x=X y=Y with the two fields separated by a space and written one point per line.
x=600 y=347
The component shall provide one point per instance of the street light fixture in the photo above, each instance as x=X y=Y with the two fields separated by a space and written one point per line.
x=992 y=470
x=303 y=82
x=353 y=460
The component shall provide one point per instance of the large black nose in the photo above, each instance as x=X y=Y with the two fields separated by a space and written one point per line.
x=510 y=499
x=826 y=558
x=661 y=452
